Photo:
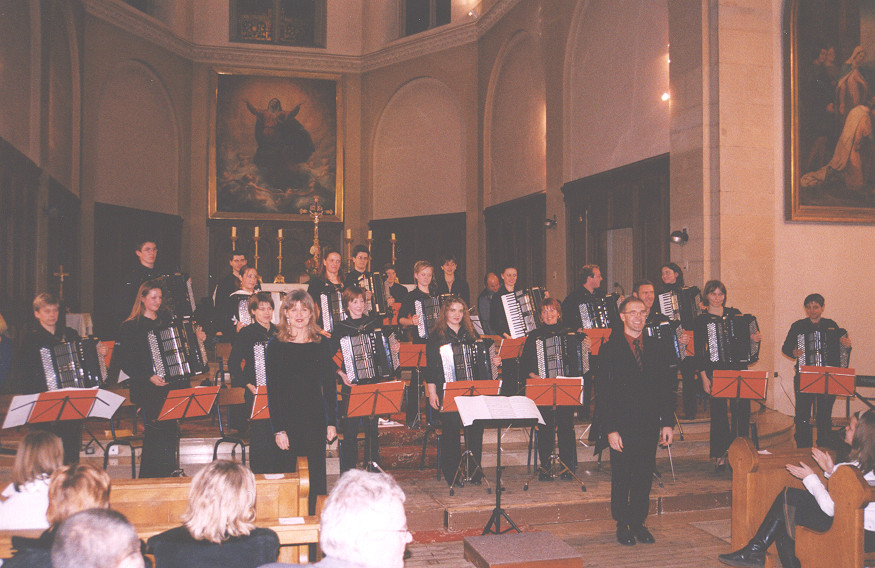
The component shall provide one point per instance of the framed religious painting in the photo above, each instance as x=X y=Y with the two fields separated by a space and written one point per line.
x=829 y=61
x=276 y=148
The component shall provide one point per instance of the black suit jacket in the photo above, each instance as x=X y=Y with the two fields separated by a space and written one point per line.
x=634 y=402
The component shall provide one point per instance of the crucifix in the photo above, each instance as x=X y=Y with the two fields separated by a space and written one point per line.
x=60 y=275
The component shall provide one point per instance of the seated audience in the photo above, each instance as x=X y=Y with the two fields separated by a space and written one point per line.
x=363 y=523
x=72 y=489
x=219 y=524
x=97 y=538
x=25 y=500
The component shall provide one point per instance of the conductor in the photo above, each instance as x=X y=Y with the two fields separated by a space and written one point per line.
x=637 y=410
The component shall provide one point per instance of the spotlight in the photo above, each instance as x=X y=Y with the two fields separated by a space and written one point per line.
x=679 y=237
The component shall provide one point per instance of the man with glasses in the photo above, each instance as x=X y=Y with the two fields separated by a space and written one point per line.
x=636 y=409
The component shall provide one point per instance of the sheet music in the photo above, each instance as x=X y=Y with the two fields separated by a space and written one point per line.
x=473 y=408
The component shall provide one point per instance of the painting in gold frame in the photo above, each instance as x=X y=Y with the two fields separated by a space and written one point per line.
x=829 y=56
x=275 y=146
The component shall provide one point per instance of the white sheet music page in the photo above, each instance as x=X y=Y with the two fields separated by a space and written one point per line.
x=473 y=408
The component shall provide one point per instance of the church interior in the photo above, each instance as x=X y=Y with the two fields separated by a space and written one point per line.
x=542 y=134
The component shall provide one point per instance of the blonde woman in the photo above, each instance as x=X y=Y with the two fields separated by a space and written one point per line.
x=302 y=391
x=219 y=525
x=25 y=500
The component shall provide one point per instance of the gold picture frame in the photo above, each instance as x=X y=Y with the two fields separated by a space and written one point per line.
x=276 y=143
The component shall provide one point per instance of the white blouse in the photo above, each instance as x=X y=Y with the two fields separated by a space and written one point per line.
x=815 y=487
x=25 y=508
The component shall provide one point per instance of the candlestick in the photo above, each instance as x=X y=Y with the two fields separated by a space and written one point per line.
x=256 y=231
x=279 y=234
x=393 y=241
x=256 y=238
x=370 y=241
x=370 y=234
x=233 y=239
x=279 y=279
x=349 y=234
x=233 y=232
x=349 y=248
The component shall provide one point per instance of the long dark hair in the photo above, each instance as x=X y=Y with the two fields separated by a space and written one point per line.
x=863 y=445
x=679 y=281
x=440 y=325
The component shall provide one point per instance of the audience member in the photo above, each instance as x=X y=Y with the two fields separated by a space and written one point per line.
x=26 y=499
x=219 y=524
x=97 y=538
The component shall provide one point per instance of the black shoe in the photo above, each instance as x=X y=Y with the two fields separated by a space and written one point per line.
x=624 y=535
x=751 y=556
x=544 y=476
x=642 y=535
x=566 y=475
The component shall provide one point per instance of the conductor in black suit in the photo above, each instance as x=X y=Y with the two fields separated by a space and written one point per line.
x=636 y=407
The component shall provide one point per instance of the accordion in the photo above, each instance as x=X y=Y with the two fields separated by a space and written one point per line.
x=177 y=294
x=600 y=313
x=669 y=335
x=471 y=361
x=523 y=311
x=368 y=357
x=332 y=310
x=727 y=341
x=73 y=364
x=177 y=353
x=243 y=315
x=427 y=311
x=562 y=355
x=822 y=348
x=682 y=306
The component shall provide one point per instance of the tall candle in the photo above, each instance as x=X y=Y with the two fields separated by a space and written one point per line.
x=280 y=233
x=349 y=233
x=233 y=232
x=393 y=236
x=256 y=230
x=370 y=235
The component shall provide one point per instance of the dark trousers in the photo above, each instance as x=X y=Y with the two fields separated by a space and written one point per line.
x=822 y=404
x=70 y=433
x=690 y=382
x=349 y=449
x=451 y=448
x=312 y=446
x=263 y=451
x=722 y=432
x=632 y=476
x=564 y=417
x=160 y=443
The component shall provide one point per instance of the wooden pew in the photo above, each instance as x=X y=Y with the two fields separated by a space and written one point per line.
x=842 y=544
x=155 y=505
x=756 y=480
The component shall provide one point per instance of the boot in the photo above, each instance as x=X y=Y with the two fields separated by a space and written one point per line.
x=786 y=550
x=754 y=554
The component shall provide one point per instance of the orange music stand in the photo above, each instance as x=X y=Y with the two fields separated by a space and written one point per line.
x=65 y=404
x=187 y=403
x=597 y=337
x=511 y=348
x=691 y=346
x=411 y=355
x=740 y=384
x=467 y=388
x=260 y=410
x=555 y=392
x=837 y=381
x=370 y=401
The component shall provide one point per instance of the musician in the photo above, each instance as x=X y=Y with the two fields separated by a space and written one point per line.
x=804 y=401
x=636 y=410
x=330 y=277
x=262 y=449
x=249 y=285
x=423 y=272
x=447 y=283
x=228 y=284
x=644 y=291
x=484 y=301
x=396 y=291
x=359 y=274
x=673 y=281
x=551 y=317
x=47 y=333
x=148 y=390
x=714 y=298
x=590 y=278
x=497 y=317
x=147 y=255
x=302 y=382
x=353 y=299
x=453 y=326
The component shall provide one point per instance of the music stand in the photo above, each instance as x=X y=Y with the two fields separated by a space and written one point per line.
x=597 y=337
x=514 y=411
x=836 y=381
x=411 y=356
x=691 y=346
x=739 y=385
x=371 y=401
x=260 y=410
x=190 y=402
x=555 y=392
x=453 y=390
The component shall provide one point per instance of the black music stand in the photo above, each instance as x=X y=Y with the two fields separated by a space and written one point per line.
x=371 y=401
x=564 y=392
x=187 y=403
x=453 y=390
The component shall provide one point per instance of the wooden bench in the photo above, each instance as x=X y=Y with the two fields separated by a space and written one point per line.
x=756 y=480
x=155 y=505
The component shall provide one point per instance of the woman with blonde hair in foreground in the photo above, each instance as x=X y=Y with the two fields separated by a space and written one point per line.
x=219 y=524
x=25 y=500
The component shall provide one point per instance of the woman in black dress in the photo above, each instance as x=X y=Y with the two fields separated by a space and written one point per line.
x=302 y=390
x=148 y=390
x=330 y=277
x=453 y=326
x=423 y=272
x=497 y=317
x=263 y=450
x=714 y=297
